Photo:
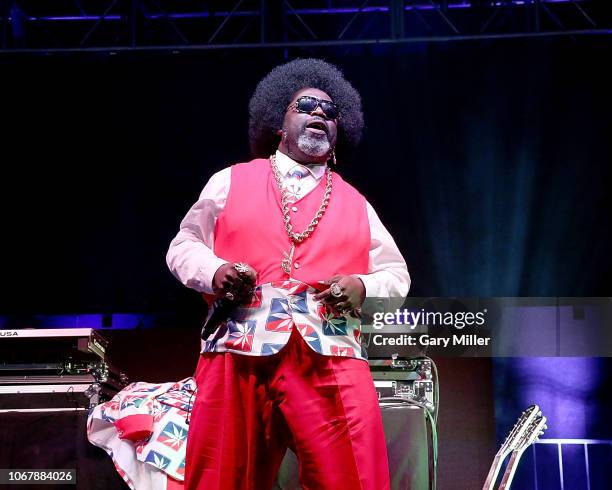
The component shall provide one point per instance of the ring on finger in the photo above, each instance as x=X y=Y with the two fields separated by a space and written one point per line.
x=242 y=268
x=335 y=289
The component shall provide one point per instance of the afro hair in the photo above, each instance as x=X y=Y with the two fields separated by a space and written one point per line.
x=274 y=93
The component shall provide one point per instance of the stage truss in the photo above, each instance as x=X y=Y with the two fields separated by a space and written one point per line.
x=177 y=25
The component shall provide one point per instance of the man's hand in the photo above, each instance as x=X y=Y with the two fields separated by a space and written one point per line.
x=234 y=282
x=352 y=293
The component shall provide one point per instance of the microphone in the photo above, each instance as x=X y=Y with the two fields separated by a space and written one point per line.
x=231 y=300
x=223 y=308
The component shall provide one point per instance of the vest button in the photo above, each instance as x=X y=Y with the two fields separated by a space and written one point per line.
x=294 y=209
x=296 y=265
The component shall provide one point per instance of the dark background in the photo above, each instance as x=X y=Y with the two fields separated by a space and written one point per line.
x=489 y=162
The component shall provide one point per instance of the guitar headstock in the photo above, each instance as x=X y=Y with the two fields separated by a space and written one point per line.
x=532 y=433
x=516 y=435
x=529 y=426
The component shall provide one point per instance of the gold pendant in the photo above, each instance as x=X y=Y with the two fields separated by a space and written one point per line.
x=288 y=260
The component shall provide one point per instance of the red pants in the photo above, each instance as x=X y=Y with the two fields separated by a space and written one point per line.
x=250 y=409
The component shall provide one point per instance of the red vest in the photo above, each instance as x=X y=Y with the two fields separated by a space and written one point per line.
x=250 y=228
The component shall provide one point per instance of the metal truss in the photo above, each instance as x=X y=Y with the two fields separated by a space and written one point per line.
x=176 y=25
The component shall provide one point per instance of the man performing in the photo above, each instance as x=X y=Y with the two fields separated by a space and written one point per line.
x=294 y=250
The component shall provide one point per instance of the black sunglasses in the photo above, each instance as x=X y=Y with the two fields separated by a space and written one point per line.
x=308 y=104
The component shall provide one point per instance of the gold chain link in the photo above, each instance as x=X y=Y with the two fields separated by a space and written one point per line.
x=300 y=237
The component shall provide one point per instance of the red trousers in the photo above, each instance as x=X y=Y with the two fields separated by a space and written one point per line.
x=248 y=410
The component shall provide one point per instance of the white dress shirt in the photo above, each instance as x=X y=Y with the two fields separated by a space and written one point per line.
x=192 y=260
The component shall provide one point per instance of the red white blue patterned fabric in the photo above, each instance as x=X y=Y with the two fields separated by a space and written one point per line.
x=263 y=327
x=159 y=411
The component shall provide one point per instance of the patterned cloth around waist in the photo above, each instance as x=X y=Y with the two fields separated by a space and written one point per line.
x=263 y=327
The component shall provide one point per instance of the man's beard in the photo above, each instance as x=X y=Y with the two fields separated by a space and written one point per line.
x=313 y=145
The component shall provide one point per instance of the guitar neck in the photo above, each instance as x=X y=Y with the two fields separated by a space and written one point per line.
x=528 y=428
x=511 y=469
x=493 y=472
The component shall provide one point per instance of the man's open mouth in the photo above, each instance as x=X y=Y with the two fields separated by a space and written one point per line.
x=317 y=127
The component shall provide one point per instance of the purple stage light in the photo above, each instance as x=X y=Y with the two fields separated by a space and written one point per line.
x=93 y=320
x=76 y=17
x=563 y=388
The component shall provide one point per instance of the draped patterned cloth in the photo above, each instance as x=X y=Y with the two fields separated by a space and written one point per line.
x=144 y=430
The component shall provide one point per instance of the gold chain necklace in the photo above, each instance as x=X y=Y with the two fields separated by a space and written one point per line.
x=293 y=236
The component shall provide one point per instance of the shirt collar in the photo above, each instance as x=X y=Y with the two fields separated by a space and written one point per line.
x=284 y=164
